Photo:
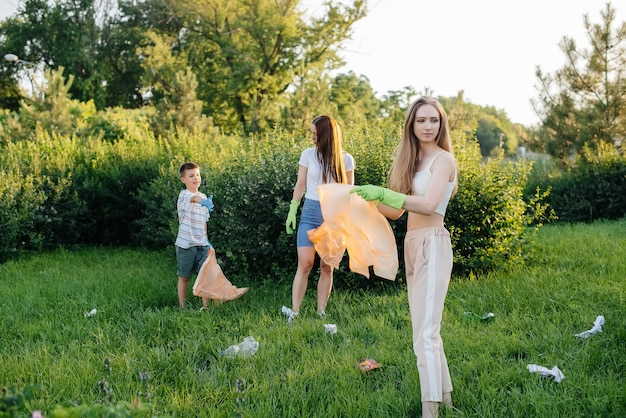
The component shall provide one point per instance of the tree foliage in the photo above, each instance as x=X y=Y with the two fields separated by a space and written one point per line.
x=245 y=55
x=49 y=109
x=492 y=128
x=61 y=34
x=68 y=190
x=239 y=65
x=9 y=90
x=584 y=102
x=355 y=99
x=496 y=133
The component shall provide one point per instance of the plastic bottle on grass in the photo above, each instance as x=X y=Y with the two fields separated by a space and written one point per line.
x=231 y=351
x=247 y=348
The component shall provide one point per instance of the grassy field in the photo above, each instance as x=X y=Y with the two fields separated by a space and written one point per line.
x=141 y=347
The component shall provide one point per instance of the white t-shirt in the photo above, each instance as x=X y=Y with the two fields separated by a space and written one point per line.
x=309 y=159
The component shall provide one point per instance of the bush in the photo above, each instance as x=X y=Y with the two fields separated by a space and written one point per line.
x=40 y=208
x=20 y=198
x=68 y=190
x=590 y=189
x=252 y=200
x=488 y=218
x=104 y=177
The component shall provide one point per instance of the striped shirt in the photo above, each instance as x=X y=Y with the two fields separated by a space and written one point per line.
x=192 y=219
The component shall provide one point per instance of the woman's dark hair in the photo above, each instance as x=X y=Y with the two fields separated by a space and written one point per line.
x=329 y=150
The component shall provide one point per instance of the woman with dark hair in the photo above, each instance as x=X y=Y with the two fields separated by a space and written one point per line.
x=325 y=162
x=422 y=180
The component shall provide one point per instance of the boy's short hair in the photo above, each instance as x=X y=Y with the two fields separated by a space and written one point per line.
x=187 y=166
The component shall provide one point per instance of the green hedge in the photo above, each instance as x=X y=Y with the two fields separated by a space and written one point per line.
x=64 y=191
x=592 y=188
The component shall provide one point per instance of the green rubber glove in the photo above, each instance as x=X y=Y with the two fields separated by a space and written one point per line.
x=381 y=194
x=291 y=218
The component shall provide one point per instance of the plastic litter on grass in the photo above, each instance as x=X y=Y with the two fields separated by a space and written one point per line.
x=330 y=328
x=92 y=312
x=368 y=364
x=489 y=316
x=554 y=373
x=597 y=327
x=247 y=348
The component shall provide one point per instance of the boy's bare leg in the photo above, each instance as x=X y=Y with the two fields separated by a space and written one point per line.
x=182 y=290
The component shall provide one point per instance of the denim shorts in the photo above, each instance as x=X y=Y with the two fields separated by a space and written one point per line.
x=310 y=218
x=190 y=259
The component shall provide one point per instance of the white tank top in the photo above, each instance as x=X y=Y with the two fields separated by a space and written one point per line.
x=421 y=182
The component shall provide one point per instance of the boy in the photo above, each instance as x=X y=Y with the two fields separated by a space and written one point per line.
x=192 y=243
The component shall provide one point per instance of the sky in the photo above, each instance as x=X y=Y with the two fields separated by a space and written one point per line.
x=489 y=49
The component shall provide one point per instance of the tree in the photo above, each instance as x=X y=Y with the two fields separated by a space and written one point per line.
x=60 y=34
x=462 y=115
x=51 y=110
x=175 y=86
x=495 y=132
x=585 y=101
x=355 y=99
x=491 y=139
x=308 y=97
x=9 y=90
x=124 y=33
x=395 y=104
x=247 y=53
x=247 y=56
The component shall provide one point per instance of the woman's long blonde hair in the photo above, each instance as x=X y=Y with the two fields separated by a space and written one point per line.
x=407 y=153
x=329 y=150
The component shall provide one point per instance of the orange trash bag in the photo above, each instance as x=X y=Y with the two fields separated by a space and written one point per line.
x=351 y=223
x=212 y=284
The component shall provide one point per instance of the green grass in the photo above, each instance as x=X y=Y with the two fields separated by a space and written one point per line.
x=574 y=273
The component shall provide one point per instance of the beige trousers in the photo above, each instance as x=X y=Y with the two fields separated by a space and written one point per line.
x=428 y=259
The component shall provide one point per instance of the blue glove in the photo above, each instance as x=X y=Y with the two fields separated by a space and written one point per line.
x=208 y=203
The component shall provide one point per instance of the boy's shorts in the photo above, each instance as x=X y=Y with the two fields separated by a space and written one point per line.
x=190 y=259
x=310 y=218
